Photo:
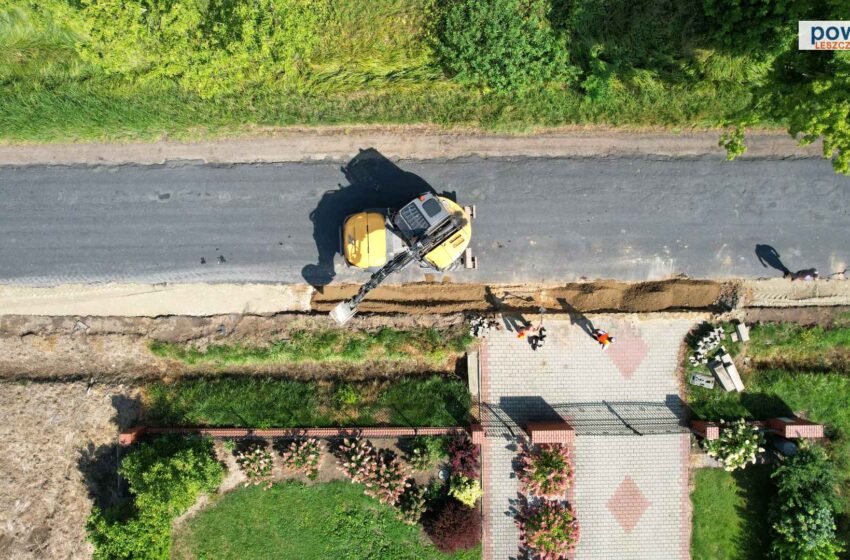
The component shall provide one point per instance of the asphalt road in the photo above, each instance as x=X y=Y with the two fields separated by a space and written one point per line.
x=538 y=219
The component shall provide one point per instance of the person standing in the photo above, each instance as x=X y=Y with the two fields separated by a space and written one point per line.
x=603 y=338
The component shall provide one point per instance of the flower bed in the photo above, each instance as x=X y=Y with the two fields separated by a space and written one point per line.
x=548 y=529
x=737 y=446
x=544 y=470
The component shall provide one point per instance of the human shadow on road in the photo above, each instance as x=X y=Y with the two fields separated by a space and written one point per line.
x=769 y=257
x=373 y=182
x=578 y=318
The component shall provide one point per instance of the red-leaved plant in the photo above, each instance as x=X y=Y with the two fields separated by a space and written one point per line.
x=302 y=455
x=544 y=470
x=548 y=530
x=463 y=456
x=453 y=526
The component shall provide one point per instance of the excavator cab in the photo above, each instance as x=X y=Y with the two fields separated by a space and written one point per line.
x=372 y=238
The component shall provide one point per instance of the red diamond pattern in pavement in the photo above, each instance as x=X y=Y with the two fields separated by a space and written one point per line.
x=627 y=504
x=627 y=352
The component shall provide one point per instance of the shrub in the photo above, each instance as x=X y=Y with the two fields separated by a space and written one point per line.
x=165 y=477
x=548 y=529
x=545 y=470
x=453 y=527
x=505 y=44
x=737 y=445
x=303 y=456
x=387 y=478
x=463 y=456
x=804 y=528
x=383 y=474
x=425 y=452
x=171 y=472
x=465 y=490
x=753 y=25
x=411 y=504
x=256 y=462
x=356 y=457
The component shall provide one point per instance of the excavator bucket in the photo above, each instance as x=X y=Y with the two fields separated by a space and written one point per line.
x=343 y=312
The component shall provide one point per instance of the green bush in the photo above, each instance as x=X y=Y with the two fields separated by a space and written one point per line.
x=427 y=451
x=211 y=48
x=737 y=446
x=746 y=26
x=165 y=477
x=465 y=490
x=804 y=528
x=504 y=44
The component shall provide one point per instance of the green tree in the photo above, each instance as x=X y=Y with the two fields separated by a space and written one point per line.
x=804 y=527
x=753 y=26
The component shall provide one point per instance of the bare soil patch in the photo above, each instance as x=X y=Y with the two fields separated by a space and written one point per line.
x=58 y=442
x=826 y=317
x=584 y=297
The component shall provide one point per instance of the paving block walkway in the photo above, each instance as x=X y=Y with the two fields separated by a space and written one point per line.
x=630 y=453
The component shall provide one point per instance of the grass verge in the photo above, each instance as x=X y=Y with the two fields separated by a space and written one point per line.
x=730 y=514
x=333 y=345
x=794 y=347
x=270 y=402
x=291 y=520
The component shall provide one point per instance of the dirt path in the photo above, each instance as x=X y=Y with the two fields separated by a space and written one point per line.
x=410 y=142
x=58 y=442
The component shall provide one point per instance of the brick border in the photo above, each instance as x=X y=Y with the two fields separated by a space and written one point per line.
x=791 y=427
x=128 y=437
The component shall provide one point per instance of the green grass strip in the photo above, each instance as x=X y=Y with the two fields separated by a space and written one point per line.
x=253 y=402
x=730 y=514
x=332 y=345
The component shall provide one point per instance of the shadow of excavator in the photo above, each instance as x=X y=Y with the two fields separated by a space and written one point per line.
x=373 y=182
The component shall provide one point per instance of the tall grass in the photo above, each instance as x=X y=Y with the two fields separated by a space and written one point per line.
x=254 y=402
x=640 y=64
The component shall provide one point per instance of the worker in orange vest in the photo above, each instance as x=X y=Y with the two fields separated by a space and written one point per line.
x=603 y=338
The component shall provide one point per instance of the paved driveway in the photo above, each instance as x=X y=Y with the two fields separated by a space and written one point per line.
x=630 y=454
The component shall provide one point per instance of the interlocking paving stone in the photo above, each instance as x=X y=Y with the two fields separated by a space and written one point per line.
x=629 y=393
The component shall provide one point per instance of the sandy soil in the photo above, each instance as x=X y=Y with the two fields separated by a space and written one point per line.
x=410 y=142
x=59 y=455
x=585 y=297
x=115 y=348
x=824 y=316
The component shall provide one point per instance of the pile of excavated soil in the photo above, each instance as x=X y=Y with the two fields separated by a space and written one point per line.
x=601 y=296
x=58 y=443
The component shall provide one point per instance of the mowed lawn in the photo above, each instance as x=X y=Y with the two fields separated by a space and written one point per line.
x=731 y=514
x=294 y=521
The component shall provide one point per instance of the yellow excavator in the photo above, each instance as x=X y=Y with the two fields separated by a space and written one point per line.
x=431 y=230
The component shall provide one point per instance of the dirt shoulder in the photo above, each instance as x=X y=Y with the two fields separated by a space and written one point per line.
x=59 y=456
x=410 y=142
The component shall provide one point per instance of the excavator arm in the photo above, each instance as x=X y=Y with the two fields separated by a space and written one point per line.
x=345 y=310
